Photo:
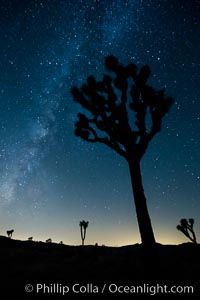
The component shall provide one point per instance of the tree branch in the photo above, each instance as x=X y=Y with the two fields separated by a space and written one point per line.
x=115 y=147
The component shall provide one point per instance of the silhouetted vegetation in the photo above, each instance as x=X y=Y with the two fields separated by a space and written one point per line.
x=49 y=240
x=30 y=238
x=186 y=227
x=112 y=104
x=83 y=227
x=9 y=233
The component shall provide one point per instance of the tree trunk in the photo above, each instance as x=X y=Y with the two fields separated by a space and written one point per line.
x=144 y=222
x=82 y=237
x=194 y=240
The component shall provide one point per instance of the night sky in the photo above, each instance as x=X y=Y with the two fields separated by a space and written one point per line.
x=49 y=178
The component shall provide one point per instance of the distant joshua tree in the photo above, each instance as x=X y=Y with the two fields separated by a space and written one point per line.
x=83 y=227
x=9 y=233
x=30 y=238
x=125 y=114
x=61 y=243
x=186 y=227
x=49 y=241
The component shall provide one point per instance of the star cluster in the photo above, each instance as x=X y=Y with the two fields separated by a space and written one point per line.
x=50 y=179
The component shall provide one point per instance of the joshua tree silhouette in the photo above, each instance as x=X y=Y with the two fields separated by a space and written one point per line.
x=186 y=227
x=9 y=233
x=110 y=103
x=30 y=238
x=83 y=226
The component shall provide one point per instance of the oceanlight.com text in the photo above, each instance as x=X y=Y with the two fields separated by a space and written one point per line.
x=112 y=288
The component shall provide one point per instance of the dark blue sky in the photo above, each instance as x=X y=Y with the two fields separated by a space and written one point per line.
x=50 y=179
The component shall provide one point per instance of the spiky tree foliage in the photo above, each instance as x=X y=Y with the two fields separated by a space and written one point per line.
x=186 y=227
x=83 y=227
x=125 y=113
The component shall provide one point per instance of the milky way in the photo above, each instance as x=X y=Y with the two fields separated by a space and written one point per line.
x=49 y=177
